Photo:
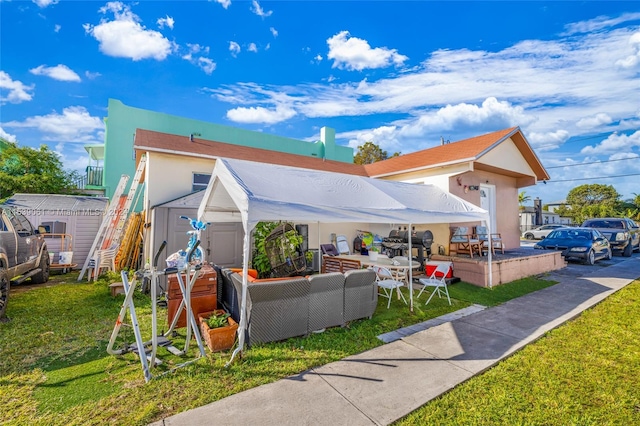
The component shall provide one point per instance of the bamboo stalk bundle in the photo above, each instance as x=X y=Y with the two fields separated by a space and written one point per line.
x=129 y=252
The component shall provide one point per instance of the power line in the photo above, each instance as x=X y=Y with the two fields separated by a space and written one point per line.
x=593 y=162
x=591 y=178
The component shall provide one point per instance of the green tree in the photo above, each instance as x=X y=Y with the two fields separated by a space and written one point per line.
x=523 y=198
x=32 y=171
x=370 y=153
x=592 y=200
x=631 y=207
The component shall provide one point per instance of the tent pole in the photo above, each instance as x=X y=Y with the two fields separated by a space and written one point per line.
x=243 y=304
x=489 y=252
x=409 y=238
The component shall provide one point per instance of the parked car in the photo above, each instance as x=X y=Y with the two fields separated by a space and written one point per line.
x=540 y=232
x=23 y=254
x=622 y=233
x=585 y=244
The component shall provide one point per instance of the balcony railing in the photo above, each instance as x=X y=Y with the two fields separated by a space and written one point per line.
x=92 y=178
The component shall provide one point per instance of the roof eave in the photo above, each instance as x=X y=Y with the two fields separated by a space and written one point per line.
x=430 y=166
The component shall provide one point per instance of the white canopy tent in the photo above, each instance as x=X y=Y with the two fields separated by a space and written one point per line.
x=251 y=192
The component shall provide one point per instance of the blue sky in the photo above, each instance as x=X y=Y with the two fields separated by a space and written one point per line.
x=400 y=74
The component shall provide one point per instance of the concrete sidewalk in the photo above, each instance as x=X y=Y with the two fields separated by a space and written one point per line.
x=384 y=384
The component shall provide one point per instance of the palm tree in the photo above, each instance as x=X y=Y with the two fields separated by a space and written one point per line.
x=523 y=198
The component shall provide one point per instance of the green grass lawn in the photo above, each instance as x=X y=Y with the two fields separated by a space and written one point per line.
x=54 y=368
x=586 y=372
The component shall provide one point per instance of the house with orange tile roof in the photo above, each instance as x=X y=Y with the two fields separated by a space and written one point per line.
x=486 y=170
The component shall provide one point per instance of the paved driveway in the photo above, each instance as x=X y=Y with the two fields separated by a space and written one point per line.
x=577 y=269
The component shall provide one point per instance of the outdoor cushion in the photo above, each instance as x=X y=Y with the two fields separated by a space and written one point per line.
x=252 y=272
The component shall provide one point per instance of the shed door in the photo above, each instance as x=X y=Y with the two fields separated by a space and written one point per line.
x=221 y=242
x=225 y=244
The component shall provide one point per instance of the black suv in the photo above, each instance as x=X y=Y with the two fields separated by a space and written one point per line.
x=23 y=253
x=622 y=233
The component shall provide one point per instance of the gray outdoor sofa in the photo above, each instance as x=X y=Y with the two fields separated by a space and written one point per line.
x=296 y=306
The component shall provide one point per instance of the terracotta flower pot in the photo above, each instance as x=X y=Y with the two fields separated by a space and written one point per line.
x=221 y=338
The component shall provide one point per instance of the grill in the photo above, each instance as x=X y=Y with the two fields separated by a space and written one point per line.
x=398 y=242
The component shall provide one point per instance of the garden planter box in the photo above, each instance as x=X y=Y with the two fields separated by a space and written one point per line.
x=221 y=338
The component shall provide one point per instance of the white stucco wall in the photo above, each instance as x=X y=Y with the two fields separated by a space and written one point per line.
x=171 y=176
x=507 y=156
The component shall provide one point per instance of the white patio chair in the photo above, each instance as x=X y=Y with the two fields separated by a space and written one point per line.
x=343 y=244
x=103 y=259
x=401 y=274
x=387 y=283
x=437 y=280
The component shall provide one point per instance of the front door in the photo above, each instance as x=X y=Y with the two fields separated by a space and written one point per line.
x=488 y=202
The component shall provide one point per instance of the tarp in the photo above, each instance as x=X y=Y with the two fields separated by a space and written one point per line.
x=250 y=192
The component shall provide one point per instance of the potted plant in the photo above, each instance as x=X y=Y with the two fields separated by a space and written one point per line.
x=373 y=253
x=218 y=329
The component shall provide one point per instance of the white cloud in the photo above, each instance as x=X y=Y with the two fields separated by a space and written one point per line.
x=45 y=3
x=6 y=136
x=274 y=32
x=594 y=121
x=353 y=53
x=252 y=47
x=426 y=128
x=615 y=143
x=92 y=75
x=125 y=37
x=168 y=22
x=206 y=64
x=546 y=87
x=599 y=23
x=75 y=124
x=257 y=9
x=234 y=48
x=197 y=49
x=318 y=58
x=548 y=140
x=260 y=114
x=195 y=56
x=386 y=137
x=57 y=28
x=633 y=59
x=59 y=72
x=490 y=114
x=224 y=3
x=18 y=92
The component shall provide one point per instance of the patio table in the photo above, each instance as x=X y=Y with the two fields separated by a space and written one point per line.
x=383 y=261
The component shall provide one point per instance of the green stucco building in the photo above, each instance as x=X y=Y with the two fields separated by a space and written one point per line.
x=122 y=122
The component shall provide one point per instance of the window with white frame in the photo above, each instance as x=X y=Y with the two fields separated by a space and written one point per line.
x=200 y=181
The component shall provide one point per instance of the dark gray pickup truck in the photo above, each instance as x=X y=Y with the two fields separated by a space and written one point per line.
x=622 y=233
x=23 y=253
